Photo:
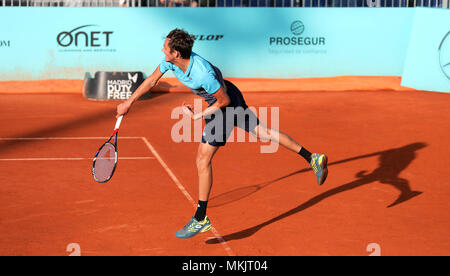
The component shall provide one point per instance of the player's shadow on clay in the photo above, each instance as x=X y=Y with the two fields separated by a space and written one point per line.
x=391 y=163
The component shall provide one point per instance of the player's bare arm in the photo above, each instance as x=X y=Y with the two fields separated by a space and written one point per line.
x=222 y=101
x=146 y=86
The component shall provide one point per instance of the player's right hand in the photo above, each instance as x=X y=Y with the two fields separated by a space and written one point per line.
x=123 y=108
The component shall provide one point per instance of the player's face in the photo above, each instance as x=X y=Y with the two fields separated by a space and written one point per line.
x=170 y=54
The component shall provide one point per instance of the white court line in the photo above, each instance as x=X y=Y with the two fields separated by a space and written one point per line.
x=63 y=138
x=69 y=159
x=185 y=192
x=163 y=164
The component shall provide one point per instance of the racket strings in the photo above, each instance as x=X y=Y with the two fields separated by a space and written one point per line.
x=105 y=162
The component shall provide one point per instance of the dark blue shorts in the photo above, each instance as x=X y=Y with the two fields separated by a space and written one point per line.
x=220 y=124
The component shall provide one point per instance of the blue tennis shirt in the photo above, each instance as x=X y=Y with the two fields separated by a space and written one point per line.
x=203 y=79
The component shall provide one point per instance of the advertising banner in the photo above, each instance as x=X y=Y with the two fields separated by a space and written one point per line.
x=50 y=43
x=427 y=66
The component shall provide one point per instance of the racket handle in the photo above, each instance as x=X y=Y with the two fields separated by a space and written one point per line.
x=118 y=122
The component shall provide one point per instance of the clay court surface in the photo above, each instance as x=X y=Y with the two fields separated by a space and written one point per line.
x=385 y=148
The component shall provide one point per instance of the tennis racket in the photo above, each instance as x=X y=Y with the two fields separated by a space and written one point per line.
x=105 y=160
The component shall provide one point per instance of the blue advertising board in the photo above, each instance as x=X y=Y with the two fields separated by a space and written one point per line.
x=427 y=66
x=63 y=43
x=243 y=42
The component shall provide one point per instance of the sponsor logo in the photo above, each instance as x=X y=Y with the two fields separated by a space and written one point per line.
x=298 y=40
x=444 y=55
x=203 y=37
x=85 y=38
x=210 y=37
x=121 y=89
x=297 y=28
x=5 y=43
x=133 y=77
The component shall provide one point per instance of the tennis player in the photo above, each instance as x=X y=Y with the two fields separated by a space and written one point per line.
x=206 y=81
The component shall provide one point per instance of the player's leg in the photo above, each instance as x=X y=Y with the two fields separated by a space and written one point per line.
x=248 y=121
x=200 y=222
x=204 y=158
x=278 y=136
x=206 y=151
x=318 y=162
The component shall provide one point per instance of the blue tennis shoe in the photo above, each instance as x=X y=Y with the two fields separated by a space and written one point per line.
x=193 y=228
x=319 y=166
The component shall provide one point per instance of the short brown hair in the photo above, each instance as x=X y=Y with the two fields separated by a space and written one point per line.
x=181 y=41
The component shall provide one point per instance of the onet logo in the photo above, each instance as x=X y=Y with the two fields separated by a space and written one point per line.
x=90 y=39
x=297 y=27
x=444 y=55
